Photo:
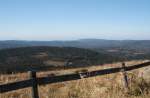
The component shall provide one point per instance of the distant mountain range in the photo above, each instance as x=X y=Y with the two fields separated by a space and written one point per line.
x=83 y=43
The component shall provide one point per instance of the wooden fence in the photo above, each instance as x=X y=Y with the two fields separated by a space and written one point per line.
x=34 y=82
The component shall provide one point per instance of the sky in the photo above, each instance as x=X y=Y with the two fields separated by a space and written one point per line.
x=74 y=19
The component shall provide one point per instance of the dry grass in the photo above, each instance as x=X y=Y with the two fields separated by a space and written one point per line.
x=107 y=86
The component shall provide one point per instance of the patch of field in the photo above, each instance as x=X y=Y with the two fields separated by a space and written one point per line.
x=41 y=55
x=107 y=86
x=54 y=63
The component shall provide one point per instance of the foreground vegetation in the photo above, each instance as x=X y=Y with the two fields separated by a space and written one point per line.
x=107 y=86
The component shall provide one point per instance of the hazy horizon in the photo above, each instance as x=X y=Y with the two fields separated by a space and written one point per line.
x=48 y=20
x=80 y=39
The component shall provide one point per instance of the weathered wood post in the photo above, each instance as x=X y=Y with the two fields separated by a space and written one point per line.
x=125 y=77
x=34 y=84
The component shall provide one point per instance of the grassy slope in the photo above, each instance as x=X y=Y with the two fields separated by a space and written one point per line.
x=107 y=86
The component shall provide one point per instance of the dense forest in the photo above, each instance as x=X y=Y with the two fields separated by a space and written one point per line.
x=41 y=58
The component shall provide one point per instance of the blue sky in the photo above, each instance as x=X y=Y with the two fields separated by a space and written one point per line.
x=74 y=19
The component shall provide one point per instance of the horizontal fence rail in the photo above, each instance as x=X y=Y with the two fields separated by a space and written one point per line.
x=62 y=78
x=16 y=85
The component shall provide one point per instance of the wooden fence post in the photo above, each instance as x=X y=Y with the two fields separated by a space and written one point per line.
x=34 y=84
x=125 y=77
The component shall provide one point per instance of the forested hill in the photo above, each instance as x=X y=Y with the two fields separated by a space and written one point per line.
x=40 y=58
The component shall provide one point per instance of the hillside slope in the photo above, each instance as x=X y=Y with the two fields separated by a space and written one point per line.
x=106 y=86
